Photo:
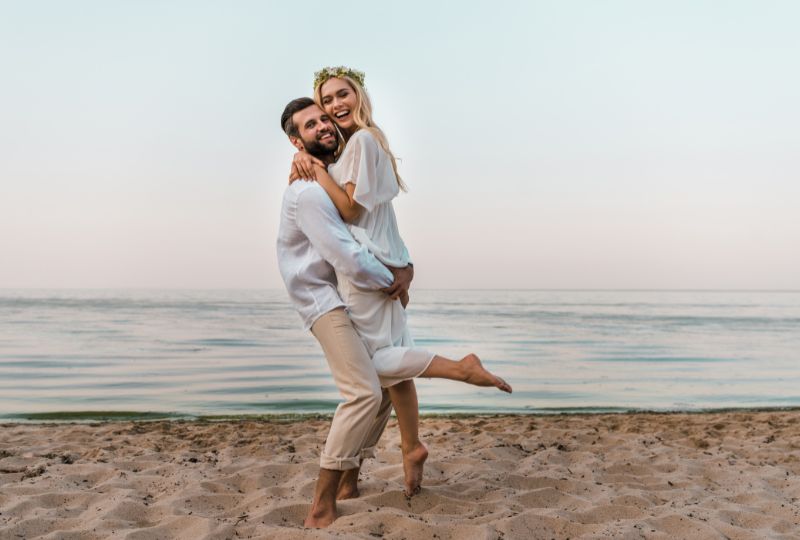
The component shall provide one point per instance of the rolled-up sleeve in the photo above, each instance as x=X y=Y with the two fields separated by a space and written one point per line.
x=319 y=220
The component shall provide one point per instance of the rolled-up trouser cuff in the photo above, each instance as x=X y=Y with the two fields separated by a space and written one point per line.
x=339 y=464
x=367 y=453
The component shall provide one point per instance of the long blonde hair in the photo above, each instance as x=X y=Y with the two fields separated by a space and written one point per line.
x=362 y=117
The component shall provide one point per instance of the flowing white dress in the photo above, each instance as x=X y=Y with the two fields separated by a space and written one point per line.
x=380 y=322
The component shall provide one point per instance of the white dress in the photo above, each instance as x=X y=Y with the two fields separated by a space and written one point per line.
x=380 y=322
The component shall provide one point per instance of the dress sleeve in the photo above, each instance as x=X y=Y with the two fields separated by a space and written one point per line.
x=365 y=164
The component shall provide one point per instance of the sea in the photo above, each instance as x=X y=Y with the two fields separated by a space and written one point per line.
x=98 y=354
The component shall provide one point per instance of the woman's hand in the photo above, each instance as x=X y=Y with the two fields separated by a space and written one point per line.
x=294 y=174
x=404 y=299
x=303 y=167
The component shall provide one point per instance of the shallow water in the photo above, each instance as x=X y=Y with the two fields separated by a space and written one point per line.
x=244 y=352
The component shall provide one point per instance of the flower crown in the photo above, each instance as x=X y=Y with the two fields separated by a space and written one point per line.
x=339 y=71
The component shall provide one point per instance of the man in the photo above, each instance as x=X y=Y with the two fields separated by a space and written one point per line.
x=313 y=243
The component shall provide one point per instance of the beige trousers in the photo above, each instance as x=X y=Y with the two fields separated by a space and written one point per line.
x=360 y=420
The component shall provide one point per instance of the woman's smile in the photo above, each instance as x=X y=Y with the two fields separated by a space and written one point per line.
x=341 y=115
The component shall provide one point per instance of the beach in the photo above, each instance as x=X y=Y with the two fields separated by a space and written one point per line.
x=639 y=475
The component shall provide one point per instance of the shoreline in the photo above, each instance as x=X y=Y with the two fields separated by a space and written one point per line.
x=78 y=417
x=645 y=475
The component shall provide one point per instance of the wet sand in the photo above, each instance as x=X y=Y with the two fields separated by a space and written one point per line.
x=661 y=476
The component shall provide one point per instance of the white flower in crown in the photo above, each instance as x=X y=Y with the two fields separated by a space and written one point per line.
x=338 y=71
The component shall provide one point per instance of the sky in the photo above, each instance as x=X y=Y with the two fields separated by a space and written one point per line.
x=561 y=144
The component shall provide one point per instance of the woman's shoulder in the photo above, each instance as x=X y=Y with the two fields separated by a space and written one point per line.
x=361 y=144
x=363 y=137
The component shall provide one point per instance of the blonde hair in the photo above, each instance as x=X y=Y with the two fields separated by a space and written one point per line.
x=362 y=117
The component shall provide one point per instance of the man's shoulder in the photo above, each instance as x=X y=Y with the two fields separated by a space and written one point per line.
x=307 y=194
x=307 y=190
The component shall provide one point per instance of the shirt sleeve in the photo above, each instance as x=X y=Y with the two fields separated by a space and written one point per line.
x=318 y=218
x=365 y=164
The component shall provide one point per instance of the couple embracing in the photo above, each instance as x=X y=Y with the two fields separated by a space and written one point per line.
x=348 y=272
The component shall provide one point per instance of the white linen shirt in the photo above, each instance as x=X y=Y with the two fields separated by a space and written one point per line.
x=313 y=244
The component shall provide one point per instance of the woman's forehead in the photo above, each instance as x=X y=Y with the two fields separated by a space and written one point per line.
x=332 y=85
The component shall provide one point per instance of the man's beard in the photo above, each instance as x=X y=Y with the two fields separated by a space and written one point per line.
x=319 y=150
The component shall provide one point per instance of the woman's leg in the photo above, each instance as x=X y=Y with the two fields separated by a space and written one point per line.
x=406 y=406
x=469 y=370
x=395 y=364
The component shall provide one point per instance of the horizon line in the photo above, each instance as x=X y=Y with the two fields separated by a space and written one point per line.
x=509 y=289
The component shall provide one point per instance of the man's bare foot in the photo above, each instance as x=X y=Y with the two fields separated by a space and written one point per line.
x=319 y=518
x=413 y=463
x=476 y=374
x=348 y=485
x=323 y=507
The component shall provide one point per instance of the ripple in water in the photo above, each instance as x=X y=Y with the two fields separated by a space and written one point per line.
x=190 y=353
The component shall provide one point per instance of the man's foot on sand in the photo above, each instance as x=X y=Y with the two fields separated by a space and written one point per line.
x=413 y=463
x=478 y=375
x=348 y=485
x=319 y=519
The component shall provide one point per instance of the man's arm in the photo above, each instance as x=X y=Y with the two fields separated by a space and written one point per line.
x=318 y=218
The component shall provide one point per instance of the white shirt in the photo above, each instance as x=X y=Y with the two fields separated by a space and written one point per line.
x=365 y=164
x=313 y=241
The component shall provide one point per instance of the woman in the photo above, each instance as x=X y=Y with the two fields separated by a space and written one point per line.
x=362 y=184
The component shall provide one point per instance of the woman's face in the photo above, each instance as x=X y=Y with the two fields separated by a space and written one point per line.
x=339 y=101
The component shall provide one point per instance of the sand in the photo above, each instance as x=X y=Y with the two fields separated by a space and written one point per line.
x=712 y=475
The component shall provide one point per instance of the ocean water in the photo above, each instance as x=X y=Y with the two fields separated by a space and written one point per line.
x=192 y=353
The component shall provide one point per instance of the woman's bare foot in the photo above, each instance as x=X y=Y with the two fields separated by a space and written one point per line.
x=348 y=485
x=413 y=463
x=476 y=374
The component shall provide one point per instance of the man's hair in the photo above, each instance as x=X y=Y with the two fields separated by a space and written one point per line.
x=296 y=105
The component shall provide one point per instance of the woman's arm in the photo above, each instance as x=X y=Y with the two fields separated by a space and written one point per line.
x=303 y=166
x=343 y=199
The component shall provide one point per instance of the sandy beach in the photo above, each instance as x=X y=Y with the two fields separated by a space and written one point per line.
x=711 y=475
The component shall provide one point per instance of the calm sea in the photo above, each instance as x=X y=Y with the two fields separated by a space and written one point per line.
x=190 y=353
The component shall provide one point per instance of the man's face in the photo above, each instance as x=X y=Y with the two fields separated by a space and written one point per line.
x=318 y=137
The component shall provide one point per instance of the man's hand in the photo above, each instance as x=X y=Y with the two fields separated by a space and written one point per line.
x=401 y=283
x=404 y=299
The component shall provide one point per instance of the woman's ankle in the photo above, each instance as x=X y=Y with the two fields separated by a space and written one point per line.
x=465 y=369
x=407 y=448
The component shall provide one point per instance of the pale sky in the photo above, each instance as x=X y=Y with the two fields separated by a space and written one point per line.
x=558 y=144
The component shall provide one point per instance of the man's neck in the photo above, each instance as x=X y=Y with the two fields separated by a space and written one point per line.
x=327 y=159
